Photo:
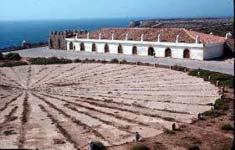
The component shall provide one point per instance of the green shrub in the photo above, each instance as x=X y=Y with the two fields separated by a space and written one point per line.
x=209 y=113
x=88 y=60
x=104 y=61
x=179 y=68
x=12 y=64
x=193 y=147
x=115 y=60
x=140 y=147
x=77 y=61
x=220 y=104
x=98 y=146
x=1 y=56
x=124 y=61
x=213 y=113
x=227 y=127
x=12 y=56
x=51 y=60
x=224 y=79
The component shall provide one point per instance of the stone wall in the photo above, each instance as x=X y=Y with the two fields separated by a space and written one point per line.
x=57 y=38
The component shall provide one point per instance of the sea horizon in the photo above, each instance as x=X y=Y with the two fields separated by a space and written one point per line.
x=13 y=32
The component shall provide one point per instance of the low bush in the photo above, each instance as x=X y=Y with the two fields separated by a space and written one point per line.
x=88 y=60
x=12 y=56
x=98 y=146
x=193 y=147
x=123 y=61
x=212 y=113
x=179 y=68
x=220 y=104
x=77 y=60
x=224 y=79
x=115 y=60
x=51 y=60
x=140 y=147
x=104 y=61
x=227 y=127
x=13 y=64
x=1 y=56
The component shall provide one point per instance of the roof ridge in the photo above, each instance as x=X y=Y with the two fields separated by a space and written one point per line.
x=188 y=33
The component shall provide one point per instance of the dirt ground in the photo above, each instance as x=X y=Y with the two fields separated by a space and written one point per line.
x=203 y=134
x=66 y=106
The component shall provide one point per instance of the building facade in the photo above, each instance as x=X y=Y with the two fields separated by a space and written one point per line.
x=174 y=43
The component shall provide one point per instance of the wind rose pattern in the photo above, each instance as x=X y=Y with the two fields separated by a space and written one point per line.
x=66 y=106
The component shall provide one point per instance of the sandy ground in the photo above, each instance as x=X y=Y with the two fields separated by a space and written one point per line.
x=66 y=106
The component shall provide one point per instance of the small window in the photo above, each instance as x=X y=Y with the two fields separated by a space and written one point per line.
x=168 y=52
x=71 y=46
x=93 y=47
x=120 y=50
x=82 y=47
x=151 y=51
x=106 y=48
x=186 y=53
x=134 y=50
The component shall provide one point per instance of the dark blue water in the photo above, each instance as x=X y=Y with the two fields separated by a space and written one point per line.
x=12 y=33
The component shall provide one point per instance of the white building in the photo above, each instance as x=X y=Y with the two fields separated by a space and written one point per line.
x=172 y=42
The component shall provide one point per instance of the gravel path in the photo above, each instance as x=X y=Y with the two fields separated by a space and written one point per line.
x=218 y=66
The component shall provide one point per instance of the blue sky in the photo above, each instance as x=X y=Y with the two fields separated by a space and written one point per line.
x=77 y=9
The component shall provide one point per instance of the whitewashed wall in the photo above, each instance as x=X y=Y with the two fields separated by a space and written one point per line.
x=197 y=51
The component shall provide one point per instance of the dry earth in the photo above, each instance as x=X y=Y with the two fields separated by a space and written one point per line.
x=66 y=106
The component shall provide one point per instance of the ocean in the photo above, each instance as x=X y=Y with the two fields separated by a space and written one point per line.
x=12 y=33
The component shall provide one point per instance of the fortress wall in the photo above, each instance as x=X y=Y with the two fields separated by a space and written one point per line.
x=57 y=38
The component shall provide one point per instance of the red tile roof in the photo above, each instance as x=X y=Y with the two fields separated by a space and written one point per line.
x=151 y=34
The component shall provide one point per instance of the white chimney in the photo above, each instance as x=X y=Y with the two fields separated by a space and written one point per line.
x=113 y=36
x=88 y=35
x=76 y=37
x=142 y=37
x=127 y=36
x=177 y=39
x=197 y=39
x=99 y=36
x=228 y=35
x=159 y=38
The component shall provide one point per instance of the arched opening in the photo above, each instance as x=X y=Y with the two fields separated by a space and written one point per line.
x=134 y=50
x=71 y=46
x=106 y=48
x=151 y=51
x=82 y=47
x=59 y=44
x=120 y=50
x=168 y=52
x=186 y=53
x=93 y=47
